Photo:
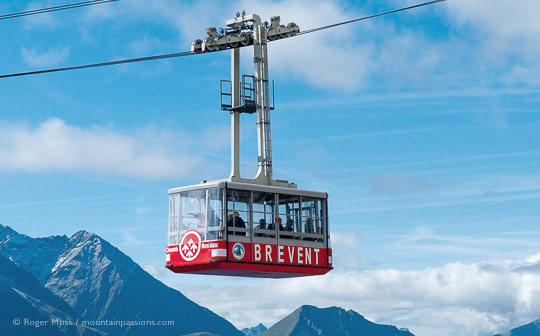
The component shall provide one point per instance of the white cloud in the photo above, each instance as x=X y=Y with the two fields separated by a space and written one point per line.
x=147 y=45
x=346 y=239
x=331 y=58
x=486 y=40
x=472 y=299
x=490 y=46
x=506 y=33
x=56 y=146
x=49 y=58
x=504 y=19
x=42 y=21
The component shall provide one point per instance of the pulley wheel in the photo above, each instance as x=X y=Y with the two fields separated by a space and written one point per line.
x=292 y=25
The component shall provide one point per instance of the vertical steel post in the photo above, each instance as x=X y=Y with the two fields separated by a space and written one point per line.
x=264 y=140
x=235 y=116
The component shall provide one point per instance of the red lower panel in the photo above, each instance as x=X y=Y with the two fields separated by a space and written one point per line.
x=250 y=270
x=219 y=257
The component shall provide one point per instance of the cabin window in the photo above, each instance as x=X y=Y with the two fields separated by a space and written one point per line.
x=311 y=221
x=200 y=210
x=289 y=209
x=215 y=214
x=247 y=214
x=264 y=214
x=238 y=212
x=173 y=219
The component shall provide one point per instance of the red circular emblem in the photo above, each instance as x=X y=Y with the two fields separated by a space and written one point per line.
x=190 y=245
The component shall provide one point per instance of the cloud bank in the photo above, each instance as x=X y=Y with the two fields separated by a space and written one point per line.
x=56 y=146
x=478 y=43
x=475 y=299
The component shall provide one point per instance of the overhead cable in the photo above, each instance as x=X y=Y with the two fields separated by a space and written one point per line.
x=368 y=17
x=54 y=9
x=95 y=65
x=187 y=53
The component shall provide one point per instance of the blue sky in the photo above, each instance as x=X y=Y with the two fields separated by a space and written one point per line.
x=422 y=126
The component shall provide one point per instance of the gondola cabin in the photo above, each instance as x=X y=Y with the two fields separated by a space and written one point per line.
x=258 y=227
x=240 y=229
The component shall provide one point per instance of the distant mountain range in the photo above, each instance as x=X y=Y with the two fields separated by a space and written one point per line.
x=255 y=330
x=309 y=320
x=25 y=303
x=86 y=278
x=83 y=285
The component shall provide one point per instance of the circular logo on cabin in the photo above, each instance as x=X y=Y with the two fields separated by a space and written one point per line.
x=190 y=245
x=238 y=251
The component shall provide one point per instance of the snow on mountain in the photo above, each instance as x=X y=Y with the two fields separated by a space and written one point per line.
x=42 y=252
x=105 y=287
x=86 y=277
x=309 y=320
x=30 y=309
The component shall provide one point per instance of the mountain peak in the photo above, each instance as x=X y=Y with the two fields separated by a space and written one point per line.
x=82 y=235
x=6 y=233
x=36 y=255
x=101 y=283
x=309 y=320
x=529 y=329
x=254 y=330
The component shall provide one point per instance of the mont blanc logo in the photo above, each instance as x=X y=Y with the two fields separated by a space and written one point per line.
x=238 y=251
x=190 y=245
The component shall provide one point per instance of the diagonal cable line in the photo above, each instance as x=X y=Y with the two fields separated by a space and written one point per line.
x=369 y=17
x=187 y=53
x=95 y=65
x=54 y=9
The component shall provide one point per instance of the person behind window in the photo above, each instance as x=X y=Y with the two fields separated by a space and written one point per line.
x=309 y=226
x=234 y=220
x=278 y=223
x=213 y=224
x=230 y=219
x=261 y=226
x=290 y=225
x=201 y=223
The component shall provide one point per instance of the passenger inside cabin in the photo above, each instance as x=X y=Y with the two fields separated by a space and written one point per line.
x=213 y=224
x=201 y=224
x=290 y=225
x=234 y=220
x=309 y=226
x=262 y=224
x=278 y=224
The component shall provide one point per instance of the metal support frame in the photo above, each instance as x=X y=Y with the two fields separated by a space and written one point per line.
x=264 y=139
x=235 y=116
x=262 y=103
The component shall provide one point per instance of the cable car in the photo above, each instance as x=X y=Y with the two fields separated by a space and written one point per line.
x=260 y=227
x=231 y=228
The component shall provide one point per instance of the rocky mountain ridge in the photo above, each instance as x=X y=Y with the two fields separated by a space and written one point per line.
x=107 y=288
x=313 y=321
